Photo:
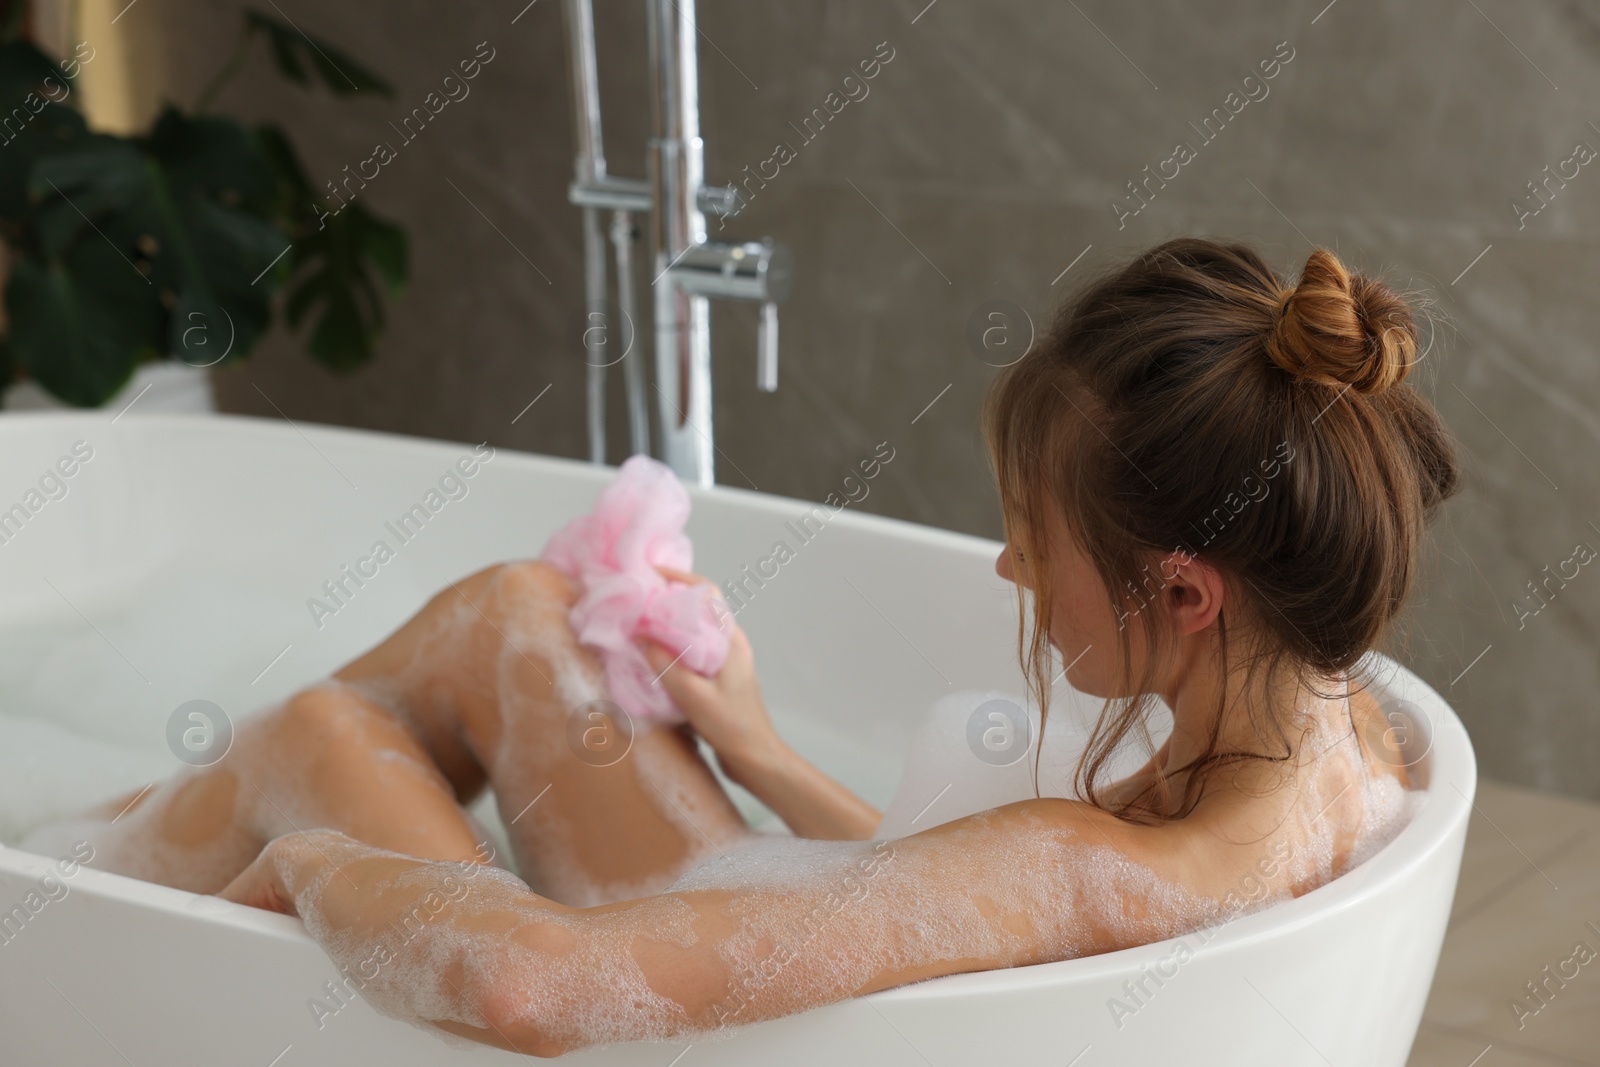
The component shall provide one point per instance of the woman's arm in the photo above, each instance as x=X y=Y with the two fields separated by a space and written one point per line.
x=729 y=712
x=772 y=929
x=808 y=801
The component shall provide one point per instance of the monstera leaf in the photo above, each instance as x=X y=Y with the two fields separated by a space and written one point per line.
x=338 y=262
x=173 y=209
x=36 y=127
x=81 y=324
x=294 y=52
x=175 y=243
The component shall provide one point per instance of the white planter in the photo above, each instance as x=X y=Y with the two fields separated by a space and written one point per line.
x=169 y=387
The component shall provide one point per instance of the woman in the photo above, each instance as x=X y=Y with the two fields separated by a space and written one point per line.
x=1214 y=489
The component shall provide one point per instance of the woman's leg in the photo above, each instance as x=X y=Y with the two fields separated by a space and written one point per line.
x=326 y=757
x=492 y=678
x=486 y=683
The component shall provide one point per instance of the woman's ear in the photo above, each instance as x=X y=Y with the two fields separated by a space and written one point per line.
x=1194 y=593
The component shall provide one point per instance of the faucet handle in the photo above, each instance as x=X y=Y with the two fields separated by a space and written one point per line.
x=753 y=270
x=721 y=200
x=767 y=348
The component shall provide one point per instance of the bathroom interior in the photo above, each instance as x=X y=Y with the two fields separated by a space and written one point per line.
x=775 y=247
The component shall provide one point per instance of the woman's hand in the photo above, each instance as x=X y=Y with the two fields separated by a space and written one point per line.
x=727 y=709
x=279 y=869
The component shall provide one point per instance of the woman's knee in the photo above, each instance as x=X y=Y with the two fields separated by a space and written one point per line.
x=531 y=583
x=331 y=727
x=341 y=738
x=510 y=589
x=319 y=716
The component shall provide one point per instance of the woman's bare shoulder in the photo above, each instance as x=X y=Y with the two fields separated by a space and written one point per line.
x=1191 y=865
x=1382 y=738
x=1074 y=818
x=1083 y=836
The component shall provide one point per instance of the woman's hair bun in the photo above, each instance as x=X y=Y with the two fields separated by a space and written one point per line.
x=1342 y=329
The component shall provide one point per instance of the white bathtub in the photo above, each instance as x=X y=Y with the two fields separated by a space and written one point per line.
x=178 y=566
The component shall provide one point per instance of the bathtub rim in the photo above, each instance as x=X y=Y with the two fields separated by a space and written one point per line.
x=1440 y=820
x=597 y=474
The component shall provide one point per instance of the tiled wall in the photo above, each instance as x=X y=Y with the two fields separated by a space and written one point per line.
x=985 y=160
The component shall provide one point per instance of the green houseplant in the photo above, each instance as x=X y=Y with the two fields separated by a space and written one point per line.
x=182 y=242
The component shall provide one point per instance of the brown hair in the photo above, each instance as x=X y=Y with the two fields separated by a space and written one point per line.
x=1161 y=391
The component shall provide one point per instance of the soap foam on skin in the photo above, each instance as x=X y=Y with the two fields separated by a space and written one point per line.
x=1338 y=786
x=782 y=952
x=779 y=956
x=542 y=633
x=536 y=649
x=796 y=923
x=473 y=944
x=532 y=744
x=137 y=842
x=133 y=842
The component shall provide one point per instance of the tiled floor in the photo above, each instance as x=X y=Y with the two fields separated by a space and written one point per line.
x=1530 y=887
